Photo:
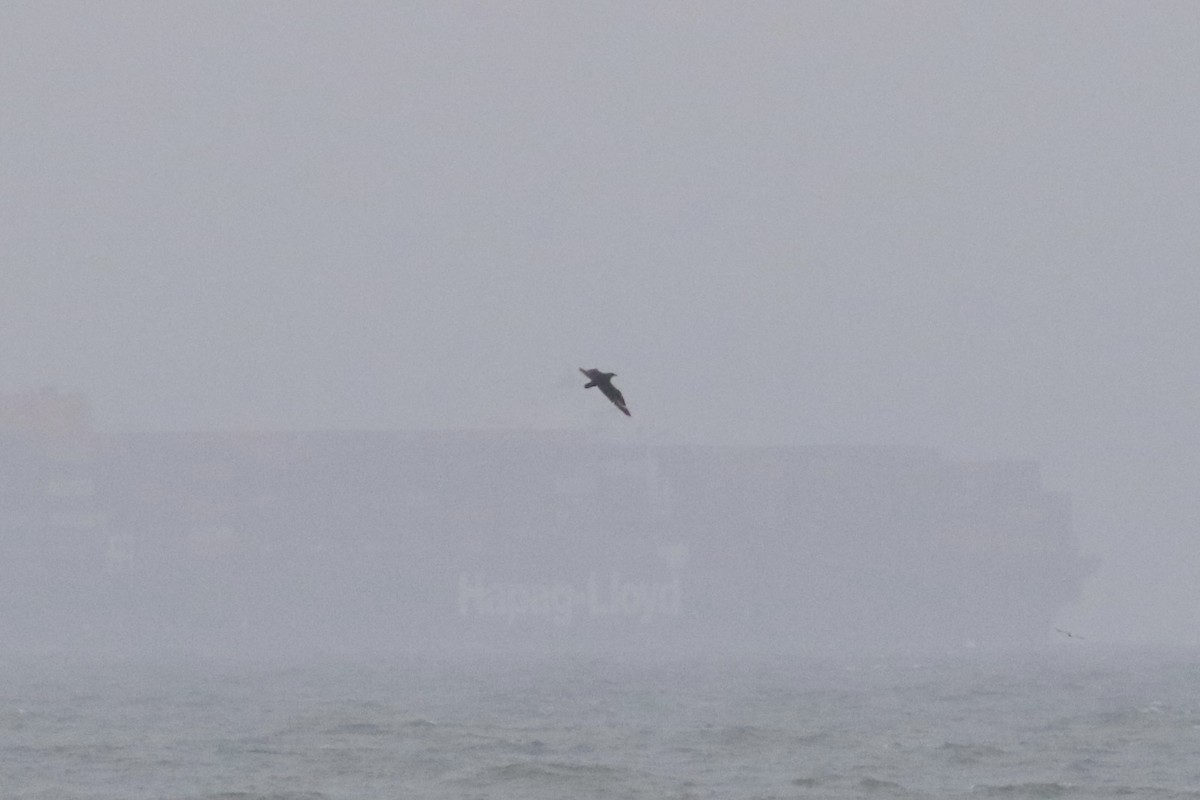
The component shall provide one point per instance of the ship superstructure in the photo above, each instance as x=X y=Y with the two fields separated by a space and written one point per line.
x=387 y=540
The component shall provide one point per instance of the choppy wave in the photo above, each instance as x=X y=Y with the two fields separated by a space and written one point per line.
x=971 y=754
x=583 y=730
x=271 y=796
x=1051 y=789
x=1032 y=790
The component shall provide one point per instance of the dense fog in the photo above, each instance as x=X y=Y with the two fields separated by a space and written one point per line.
x=901 y=299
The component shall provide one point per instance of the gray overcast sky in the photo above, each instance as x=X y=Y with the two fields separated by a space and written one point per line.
x=965 y=225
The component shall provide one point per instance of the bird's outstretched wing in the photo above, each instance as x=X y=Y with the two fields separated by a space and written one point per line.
x=614 y=394
x=604 y=381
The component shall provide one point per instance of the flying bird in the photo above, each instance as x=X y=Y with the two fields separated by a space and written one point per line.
x=1068 y=634
x=604 y=381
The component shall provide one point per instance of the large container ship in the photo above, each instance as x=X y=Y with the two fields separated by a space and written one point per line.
x=350 y=541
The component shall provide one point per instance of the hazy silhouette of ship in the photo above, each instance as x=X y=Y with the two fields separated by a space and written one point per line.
x=389 y=540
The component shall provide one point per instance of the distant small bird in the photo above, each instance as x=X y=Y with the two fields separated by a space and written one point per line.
x=604 y=381
x=1070 y=635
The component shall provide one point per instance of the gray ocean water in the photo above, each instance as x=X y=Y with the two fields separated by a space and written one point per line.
x=1064 y=722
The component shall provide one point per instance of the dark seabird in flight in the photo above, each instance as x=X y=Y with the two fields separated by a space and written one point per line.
x=1068 y=634
x=604 y=381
